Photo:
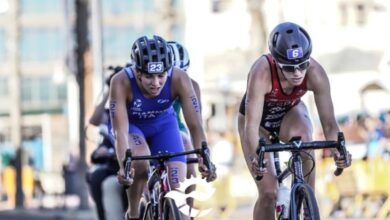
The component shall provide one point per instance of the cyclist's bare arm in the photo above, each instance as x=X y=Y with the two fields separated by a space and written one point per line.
x=182 y=87
x=98 y=116
x=259 y=83
x=197 y=92
x=119 y=93
x=318 y=82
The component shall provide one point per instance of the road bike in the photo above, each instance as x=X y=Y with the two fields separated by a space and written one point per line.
x=155 y=205
x=300 y=202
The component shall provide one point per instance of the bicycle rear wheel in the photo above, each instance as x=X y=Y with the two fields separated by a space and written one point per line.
x=303 y=204
x=170 y=210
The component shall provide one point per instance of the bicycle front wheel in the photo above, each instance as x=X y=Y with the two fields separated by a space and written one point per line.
x=142 y=206
x=303 y=204
x=148 y=212
x=170 y=210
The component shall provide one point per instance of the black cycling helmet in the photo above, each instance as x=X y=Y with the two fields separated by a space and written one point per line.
x=151 y=56
x=179 y=55
x=289 y=43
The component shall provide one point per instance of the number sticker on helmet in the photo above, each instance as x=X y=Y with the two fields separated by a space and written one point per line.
x=295 y=53
x=155 y=67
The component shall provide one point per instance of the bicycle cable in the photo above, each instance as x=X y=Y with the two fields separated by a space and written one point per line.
x=311 y=158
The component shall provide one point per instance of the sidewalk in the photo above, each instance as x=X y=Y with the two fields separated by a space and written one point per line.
x=47 y=214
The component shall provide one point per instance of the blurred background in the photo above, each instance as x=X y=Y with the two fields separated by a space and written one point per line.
x=54 y=59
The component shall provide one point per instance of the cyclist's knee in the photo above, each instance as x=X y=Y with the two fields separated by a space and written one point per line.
x=191 y=171
x=141 y=169
x=268 y=197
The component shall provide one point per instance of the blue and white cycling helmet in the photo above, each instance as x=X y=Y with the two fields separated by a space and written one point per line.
x=289 y=43
x=180 y=55
x=151 y=56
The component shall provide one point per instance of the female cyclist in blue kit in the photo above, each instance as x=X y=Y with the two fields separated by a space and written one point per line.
x=144 y=120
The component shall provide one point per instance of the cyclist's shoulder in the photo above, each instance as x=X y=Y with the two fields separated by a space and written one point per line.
x=260 y=74
x=261 y=66
x=316 y=75
x=180 y=80
x=179 y=74
x=121 y=79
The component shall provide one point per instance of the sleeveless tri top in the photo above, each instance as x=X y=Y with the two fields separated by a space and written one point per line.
x=141 y=109
x=276 y=102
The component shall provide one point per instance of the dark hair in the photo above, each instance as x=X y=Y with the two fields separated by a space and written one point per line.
x=115 y=70
x=289 y=43
x=151 y=56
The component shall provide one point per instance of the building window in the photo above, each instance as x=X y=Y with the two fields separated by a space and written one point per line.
x=120 y=7
x=41 y=44
x=117 y=40
x=42 y=6
x=42 y=94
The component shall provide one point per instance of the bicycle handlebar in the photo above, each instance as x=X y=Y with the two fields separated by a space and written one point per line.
x=297 y=145
x=161 y=157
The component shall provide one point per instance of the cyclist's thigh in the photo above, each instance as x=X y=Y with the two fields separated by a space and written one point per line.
x=296 y=122
x=268 y=184
x=167 y=138
x=137 y=141
x=247 y=150
x=176 y=173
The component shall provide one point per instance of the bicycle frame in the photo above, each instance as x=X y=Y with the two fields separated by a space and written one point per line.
x=300 y=191
x=157 y=183
x=158 y=186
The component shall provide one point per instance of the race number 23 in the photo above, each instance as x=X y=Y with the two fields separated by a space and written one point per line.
x=155 y=67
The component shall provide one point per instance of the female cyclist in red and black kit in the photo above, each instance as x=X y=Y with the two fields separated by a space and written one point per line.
x=276 y=82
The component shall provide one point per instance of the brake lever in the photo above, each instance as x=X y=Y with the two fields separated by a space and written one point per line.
x=342 y=150
x=260 y=151
x=205 y=153
x=127 y=165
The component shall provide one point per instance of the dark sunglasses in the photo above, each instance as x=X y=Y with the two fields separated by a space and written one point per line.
x=291 y=68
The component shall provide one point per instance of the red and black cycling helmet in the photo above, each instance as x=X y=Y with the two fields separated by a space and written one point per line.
x=289 y=43
x=151 y=56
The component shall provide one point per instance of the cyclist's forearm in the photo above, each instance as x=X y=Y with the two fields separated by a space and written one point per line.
x=251 y=138
x=197 y=136
x=97 y=116
x=330 y=133
x=121 y=144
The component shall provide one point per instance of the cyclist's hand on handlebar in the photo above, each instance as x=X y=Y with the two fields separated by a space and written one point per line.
x=256 y=169
x=122 y=178
x=211 y=174
x=340 y=161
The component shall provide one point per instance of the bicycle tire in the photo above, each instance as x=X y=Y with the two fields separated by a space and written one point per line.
x=170 y=210
x=148 y=213
x=303 y=195
x=142 y=206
